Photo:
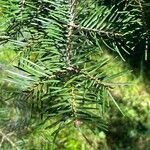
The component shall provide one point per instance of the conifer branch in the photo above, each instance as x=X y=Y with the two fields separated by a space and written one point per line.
x=101 y=32
x=98 y=81
x=70 y=31
x=58 y=84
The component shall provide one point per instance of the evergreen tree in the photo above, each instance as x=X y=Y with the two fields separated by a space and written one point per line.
x=57 y=76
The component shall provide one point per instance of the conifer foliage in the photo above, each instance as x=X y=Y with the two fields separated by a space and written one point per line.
x=56 y=76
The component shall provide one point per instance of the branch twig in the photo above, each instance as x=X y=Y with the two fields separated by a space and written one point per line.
x=70 y=31
x=96 y=30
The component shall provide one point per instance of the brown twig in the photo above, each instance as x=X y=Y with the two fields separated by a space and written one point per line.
x=95 y=30
x=70 y=31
